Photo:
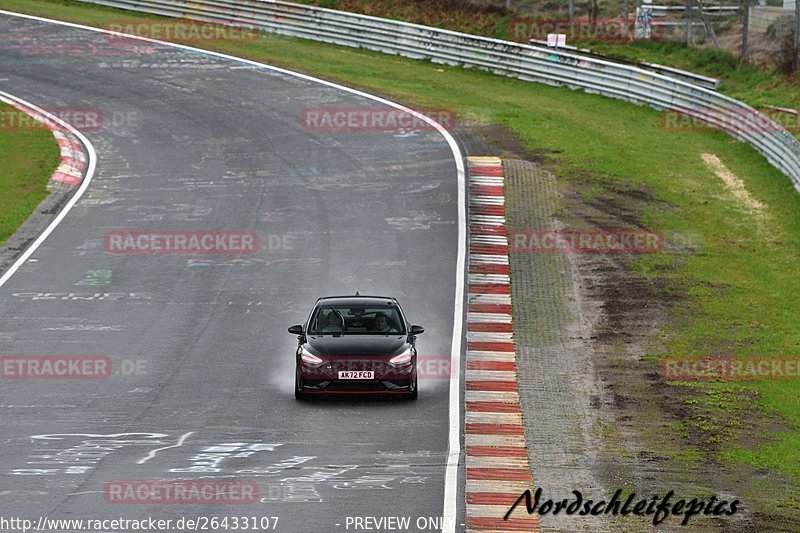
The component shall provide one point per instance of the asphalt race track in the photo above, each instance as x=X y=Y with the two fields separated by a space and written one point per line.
x=202 y=364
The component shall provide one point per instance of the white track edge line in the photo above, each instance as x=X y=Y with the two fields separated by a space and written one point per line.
x=90 y=168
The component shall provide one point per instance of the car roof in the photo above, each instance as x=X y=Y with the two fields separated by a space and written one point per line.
x=357 y=300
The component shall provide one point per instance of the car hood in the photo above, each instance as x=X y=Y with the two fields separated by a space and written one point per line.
x=356 y=345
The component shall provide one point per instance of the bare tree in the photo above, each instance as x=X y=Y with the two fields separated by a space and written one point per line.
x=707 y=24
x=688 y=22
x=594 y=11
x=796 y=35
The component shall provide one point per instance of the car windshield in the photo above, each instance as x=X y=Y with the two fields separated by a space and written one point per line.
x=357 y=320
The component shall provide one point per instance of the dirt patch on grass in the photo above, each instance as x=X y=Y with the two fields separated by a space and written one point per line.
x=734 y=184
x=501 y=141
x=671 y=434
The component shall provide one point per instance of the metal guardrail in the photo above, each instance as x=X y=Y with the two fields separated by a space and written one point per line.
x=689 y=77
x=553 y=67
x=706 y=9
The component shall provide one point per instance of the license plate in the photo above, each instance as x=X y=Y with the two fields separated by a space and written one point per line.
x=356 y=374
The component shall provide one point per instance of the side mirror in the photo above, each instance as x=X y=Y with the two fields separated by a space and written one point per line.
x=296 y=330
x=416 y=330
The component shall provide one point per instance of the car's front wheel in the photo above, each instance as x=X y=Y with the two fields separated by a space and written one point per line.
x=298 y=385
x=414 y=393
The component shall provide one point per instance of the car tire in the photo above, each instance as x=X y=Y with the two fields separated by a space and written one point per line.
x=415 y=393
x=298 y=386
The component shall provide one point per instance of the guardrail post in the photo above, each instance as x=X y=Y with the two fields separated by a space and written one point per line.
x=796 y=36
x=745 y=30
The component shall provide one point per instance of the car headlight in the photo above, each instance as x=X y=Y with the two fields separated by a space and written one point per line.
x=309 y=358
x=402 y=359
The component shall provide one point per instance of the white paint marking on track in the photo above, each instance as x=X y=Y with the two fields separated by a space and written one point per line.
x=489 y=417
x=496 y=462
x=498 y=318
x=154 y=452
x=491 y=375
x=486 y=485
x=60 y=436
x=490 y=336
x=492 y=396
x=482 y=298
x=499 y=357
x=476 y=439
x=497 y=240
x=489 y=220
x=487 y=259
x=477 y=278
x=487 y=180
x=450 y=509
x=488 y=200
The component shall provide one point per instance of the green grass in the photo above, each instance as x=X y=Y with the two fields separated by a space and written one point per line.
x=743 y=282
x=29 y=155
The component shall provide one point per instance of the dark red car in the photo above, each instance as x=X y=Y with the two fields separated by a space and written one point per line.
x=356 y=344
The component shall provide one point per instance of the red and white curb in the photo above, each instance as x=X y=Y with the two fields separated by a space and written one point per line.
x=498 y=471
x=73 y=158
